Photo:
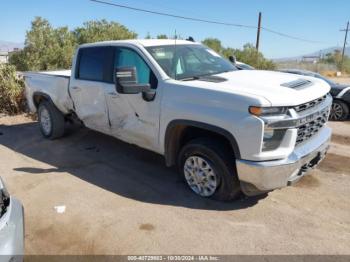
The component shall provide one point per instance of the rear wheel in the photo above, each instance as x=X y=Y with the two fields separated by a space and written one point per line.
x=51 y=120
x=209 y=169
x=339 y=111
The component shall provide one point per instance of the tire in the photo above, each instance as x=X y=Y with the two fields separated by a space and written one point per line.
x=215 y=161
x=339 y=111
x=51 y=120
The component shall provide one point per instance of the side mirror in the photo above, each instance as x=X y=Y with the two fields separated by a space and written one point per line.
x=126 y=81
x=232 y=59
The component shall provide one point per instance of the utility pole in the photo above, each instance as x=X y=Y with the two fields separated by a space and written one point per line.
x=346 y=36
x=258 y=33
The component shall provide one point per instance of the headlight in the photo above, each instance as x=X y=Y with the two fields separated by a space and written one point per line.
x=272 y=139
x=267 y=111
x=4 y=198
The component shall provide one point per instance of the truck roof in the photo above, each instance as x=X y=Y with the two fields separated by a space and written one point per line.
x=144 y=42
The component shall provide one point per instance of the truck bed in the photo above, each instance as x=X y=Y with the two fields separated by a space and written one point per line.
x=53 y=83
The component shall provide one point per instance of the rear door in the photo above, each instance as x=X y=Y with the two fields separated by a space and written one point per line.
x=92 y=77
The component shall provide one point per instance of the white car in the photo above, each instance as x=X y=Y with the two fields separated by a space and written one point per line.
x=227 y=130
x=11 y=227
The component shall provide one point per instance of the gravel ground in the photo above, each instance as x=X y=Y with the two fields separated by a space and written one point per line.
x=341 y=80
x=120 y=199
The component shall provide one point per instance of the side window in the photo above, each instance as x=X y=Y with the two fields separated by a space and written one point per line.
x=94 y=63
x=128 y=58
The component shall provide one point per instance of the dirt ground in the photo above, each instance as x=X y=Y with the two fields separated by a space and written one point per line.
x=341 y=80
x=120 y=199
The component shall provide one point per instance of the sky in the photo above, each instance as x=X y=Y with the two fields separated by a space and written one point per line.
x=317 y=20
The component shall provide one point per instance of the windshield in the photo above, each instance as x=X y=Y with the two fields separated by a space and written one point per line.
x=186 y=62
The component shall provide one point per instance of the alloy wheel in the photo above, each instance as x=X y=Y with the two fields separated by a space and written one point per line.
x=200 y=176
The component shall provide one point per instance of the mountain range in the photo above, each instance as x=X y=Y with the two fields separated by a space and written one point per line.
x=9 y=46
x=318 y=53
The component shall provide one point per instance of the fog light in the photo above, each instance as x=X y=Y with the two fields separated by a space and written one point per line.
x=268 y=134
x=272 y=139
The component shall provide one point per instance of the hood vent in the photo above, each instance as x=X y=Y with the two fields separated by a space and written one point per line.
x=298 y=84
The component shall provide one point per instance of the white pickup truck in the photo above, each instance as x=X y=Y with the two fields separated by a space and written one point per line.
x=227 y=130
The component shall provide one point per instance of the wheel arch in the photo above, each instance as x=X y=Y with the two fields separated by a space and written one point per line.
x=179 y=131
x=38 y=97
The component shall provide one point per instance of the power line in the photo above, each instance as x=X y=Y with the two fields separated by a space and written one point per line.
x=203 y=20
x=172 y=15
x=291 y=37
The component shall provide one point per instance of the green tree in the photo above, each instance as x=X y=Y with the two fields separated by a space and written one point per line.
x=248 y=54
x=45 y=48
x=148 y=36
x=214 y=44
x=335 y=58
x=346 y=65
x=162 y=36
x=18 y=59
x=227 y=52
x=95 y=31
x=48 y=48
x=251 y=56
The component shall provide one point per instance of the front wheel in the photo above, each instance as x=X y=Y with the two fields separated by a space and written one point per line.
x=339 y=111
x=209 y=169
x=51 y=120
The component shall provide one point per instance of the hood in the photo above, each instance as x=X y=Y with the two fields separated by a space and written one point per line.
x=280 y=89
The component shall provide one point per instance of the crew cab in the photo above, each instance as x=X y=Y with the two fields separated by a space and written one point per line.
x=227 y=130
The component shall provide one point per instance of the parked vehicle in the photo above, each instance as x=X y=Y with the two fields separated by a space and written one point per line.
x=226 y=129
x=243 y=66
x=340 y=94
x=11 y=227
x=240 y=65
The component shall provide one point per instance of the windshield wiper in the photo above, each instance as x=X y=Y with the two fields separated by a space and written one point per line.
x=203 y=76
x=190 y=78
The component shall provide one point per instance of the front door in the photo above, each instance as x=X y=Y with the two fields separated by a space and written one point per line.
x=134 y=118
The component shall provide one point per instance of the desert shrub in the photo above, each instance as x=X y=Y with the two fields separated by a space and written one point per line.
x=12 y=99
x=50 y=48
x=248 y=54
x=346 y=65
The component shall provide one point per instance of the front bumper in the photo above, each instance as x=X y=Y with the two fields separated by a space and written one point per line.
x=12 y=233
x=258 y=177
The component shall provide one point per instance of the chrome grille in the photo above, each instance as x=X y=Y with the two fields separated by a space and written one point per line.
x=309 y=129
x=310 y=104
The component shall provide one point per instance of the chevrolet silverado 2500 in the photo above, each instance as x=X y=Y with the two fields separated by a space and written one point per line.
x=227 y=130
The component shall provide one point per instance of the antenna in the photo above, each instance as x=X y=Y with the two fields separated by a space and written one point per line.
x=175 y=56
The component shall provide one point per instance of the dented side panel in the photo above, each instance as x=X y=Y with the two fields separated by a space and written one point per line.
x=134 y=120
x=54 y=86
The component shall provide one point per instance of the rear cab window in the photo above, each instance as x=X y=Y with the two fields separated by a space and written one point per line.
x=95 y=64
